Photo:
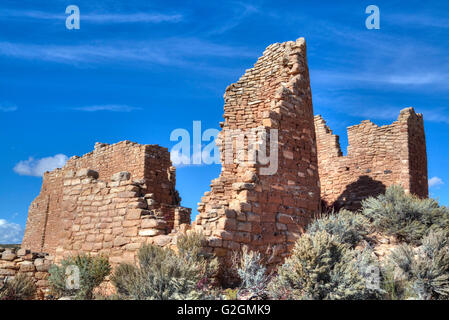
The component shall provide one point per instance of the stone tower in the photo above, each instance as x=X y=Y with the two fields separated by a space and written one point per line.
x=265 y=206
x=377 y=157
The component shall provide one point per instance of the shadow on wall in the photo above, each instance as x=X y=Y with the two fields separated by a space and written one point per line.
x=355 y=192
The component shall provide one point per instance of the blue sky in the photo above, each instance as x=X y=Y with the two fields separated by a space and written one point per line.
x=137 y=70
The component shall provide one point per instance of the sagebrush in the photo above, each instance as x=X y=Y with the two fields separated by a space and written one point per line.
x=78 y=276
x=20 y=287
x=423 y=272
x=405 y=216
x=320 y=268
x=252 y=273
x=346 y=226
x=163 y=274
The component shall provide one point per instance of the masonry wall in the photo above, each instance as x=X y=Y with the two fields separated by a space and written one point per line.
x=114 y=217
x=266 y=212
x=34 y=265
x=148 y=164
x=377 y=157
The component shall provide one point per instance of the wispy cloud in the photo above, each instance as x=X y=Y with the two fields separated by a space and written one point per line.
x=99 y=18
x=381 y=77
x=241 y=11
x=10 y=233
x=435 y=181
x=108 y=107
x=170 y=51
x=418 y=20
x=6 y=107
x=417 y=79
x=37 y=167
x=361 y=105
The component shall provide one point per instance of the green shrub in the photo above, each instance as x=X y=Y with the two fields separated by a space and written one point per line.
x=231 y=294
x=19 y=288
x=163 y=274
x=252 y=273
x=420 y=273
x=190 y=247
x=322 y=268
x=346 y=226
x=92 y=272
x=405 y=216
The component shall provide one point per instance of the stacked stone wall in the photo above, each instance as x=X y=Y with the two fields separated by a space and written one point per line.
x=149 y=164
x=265 y=212
x=118 y=197
x=114 y=218
x=34 y=265
x=377 y=157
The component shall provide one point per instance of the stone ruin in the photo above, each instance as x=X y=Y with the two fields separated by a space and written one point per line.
x=108 y=201
x=120 y=196
x=377 y=157
x=266 y=212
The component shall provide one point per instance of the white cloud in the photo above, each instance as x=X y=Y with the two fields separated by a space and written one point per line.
x=10 y=233
x=435 y=181
x=108 y=107
x=37 y=167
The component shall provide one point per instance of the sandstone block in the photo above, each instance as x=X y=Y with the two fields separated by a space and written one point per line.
x=7 y=272
x=121 y=176
x=239 y=186
x=215 y=242
x=26 y=266
x=162 y=240
x=244 y=226
x=8 y=255
x=87 y=173
x=153 y=223
x=120 y=241
x=22 y=252
x=283 y=218
x=133 y=246
x=150 y=232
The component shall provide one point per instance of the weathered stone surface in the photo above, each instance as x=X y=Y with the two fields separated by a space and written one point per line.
x=27 y=266
x=119 y=196
x=161 y=240
x=150 y=232
x=377 y=157
x=22 y=252
x=90 y=213
x=274 y=96
x=9 y=256
x=87 y=173
x=121 y=176
x=10 y=268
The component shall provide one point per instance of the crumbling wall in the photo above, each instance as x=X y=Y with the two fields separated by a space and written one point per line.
x=245 y=206
x=118 y=197
x=114 y=217
x=377 y=157
x=34 y=265
x=149 y=164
